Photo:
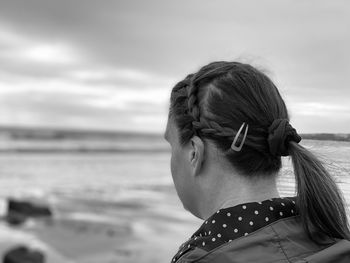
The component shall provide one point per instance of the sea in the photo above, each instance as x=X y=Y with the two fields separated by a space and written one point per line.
x=132 y=185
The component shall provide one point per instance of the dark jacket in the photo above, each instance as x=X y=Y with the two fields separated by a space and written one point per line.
x=281 y=241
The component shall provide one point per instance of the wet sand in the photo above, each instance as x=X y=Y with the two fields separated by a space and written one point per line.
x=67 y=240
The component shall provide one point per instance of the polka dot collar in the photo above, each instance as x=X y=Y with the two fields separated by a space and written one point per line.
x=231 y=223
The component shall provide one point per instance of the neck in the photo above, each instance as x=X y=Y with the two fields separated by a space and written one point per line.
x=234 y=192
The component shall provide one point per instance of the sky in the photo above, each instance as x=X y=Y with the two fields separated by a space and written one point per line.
x=110 y=65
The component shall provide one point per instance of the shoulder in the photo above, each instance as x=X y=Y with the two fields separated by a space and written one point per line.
x=280 y=241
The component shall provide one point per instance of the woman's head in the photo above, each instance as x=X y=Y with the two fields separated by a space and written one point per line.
x=214 y=102
x=208 y=108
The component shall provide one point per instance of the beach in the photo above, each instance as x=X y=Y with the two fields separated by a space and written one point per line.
x=115 y=207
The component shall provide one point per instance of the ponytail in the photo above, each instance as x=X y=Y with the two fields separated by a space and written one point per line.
x=320 y=202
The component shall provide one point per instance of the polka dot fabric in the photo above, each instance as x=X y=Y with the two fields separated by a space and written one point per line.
x=230 y=223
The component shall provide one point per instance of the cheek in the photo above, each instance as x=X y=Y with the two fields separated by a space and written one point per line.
x=178 y=162
x=174 y=165
x=181 y=176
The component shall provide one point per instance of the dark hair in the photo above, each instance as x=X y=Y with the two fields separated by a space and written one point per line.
x=214 y=102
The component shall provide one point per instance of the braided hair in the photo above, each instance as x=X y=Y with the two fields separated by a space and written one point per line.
x=213 y=103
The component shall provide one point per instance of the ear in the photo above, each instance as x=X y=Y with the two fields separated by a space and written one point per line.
x=196 y=154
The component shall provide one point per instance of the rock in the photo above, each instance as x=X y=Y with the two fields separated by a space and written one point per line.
x=15 y=219
x=18 y=211
x=27 y=208
x=22 y=254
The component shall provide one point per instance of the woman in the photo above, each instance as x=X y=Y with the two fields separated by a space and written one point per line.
x=228 y=128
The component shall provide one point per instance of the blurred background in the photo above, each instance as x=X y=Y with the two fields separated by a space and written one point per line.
x=84 y=97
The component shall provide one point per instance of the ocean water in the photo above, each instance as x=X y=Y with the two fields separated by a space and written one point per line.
x=131 y=187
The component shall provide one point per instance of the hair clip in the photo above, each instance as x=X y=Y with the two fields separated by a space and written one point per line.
x=233 y=145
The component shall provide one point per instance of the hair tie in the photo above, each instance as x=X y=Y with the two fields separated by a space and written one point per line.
x=280 y=134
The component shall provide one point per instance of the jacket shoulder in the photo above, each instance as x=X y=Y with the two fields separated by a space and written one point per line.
x=281 y=241
x=338 y=252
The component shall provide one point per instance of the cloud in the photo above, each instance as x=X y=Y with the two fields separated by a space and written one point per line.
x=321 y=109
x=46 y=104
x=25 y=49
x=123 y=57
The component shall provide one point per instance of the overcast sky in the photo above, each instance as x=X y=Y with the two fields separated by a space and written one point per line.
x=111 y=64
